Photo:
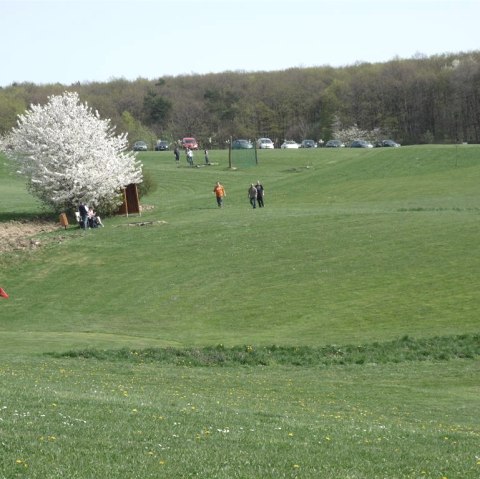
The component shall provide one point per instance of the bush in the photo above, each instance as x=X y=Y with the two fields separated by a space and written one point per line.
x=148 y=185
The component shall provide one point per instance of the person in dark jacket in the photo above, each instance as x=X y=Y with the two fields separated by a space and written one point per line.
x=83 y=211
x=260 y=194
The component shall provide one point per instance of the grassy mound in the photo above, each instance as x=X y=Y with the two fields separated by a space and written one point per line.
x=466 y=346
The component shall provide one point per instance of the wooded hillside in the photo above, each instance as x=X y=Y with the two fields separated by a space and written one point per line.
x=420 y=100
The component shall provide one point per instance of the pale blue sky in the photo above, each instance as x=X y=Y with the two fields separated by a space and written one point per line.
x=67 y=41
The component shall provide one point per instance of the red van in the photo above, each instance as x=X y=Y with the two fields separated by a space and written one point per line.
x=190 y=143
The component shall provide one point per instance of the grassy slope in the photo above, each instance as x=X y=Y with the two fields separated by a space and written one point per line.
x=361 y=246
x=353 y=246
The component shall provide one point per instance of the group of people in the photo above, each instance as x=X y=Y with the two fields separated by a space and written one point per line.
x=189 y=155
x=88 y=217
x=256 y=193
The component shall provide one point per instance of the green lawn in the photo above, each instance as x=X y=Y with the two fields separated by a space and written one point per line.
x=86 y=419
x=353 y=247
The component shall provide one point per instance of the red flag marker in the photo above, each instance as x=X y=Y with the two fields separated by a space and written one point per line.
x=3 y=294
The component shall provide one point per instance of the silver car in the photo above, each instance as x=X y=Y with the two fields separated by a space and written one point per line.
x=140 y=146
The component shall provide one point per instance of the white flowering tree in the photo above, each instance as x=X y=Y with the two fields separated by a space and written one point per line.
x=70 y=155
x=347 y=135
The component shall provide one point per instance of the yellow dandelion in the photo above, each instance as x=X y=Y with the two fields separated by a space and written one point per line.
x=161 y=462
x=296 y=466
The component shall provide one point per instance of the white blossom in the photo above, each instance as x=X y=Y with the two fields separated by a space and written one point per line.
x=69 y=155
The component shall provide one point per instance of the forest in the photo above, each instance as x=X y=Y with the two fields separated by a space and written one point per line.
x=434 y=99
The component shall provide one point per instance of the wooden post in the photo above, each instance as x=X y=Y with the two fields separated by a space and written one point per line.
x=63 y=220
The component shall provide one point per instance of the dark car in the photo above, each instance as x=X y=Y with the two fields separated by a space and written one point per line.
x=242 y=145
x=162 y=146
x=388 y=143
x=360 y=144
x=140 y=146
x=308 y=144
x=334 y=144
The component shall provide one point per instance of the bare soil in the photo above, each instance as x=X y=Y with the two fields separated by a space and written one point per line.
x=21 y=235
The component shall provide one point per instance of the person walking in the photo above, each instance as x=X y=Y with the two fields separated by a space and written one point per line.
x=207 y=162
x=252 y=195
x=176 y=152
x=220 y=193
x=189 y=156
x=260 y=194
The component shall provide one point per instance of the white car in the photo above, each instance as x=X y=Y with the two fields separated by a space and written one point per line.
x=289 y=144
x=264 y=143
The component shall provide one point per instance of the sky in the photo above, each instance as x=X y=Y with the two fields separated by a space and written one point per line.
x=70 y=41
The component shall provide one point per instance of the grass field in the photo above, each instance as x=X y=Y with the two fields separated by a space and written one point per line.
x=354 y=250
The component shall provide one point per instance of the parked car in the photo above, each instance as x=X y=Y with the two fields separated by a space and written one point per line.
x=242 y=145
x=388 y=143
x=308 y=144
x=140 y=146
x=189 y=142
x=265 y=143
x=334 y=144
x=289 y=144
x=360 y=144
x=162 y=145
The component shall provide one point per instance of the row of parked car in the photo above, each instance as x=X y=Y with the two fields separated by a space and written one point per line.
x=262 y=143
x=267 y=143
x=338 y=144
x=367 y=144
x=287 y=144
x=163 y=145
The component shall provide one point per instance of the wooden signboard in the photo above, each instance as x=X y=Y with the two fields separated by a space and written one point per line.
x=131 y=204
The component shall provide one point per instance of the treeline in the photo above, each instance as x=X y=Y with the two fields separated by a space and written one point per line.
x=419 y=100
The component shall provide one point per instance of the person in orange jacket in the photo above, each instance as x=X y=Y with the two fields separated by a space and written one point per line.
x=219 y=191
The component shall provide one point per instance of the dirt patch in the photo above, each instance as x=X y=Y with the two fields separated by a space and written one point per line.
x=20 y=235
x=23 y=234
